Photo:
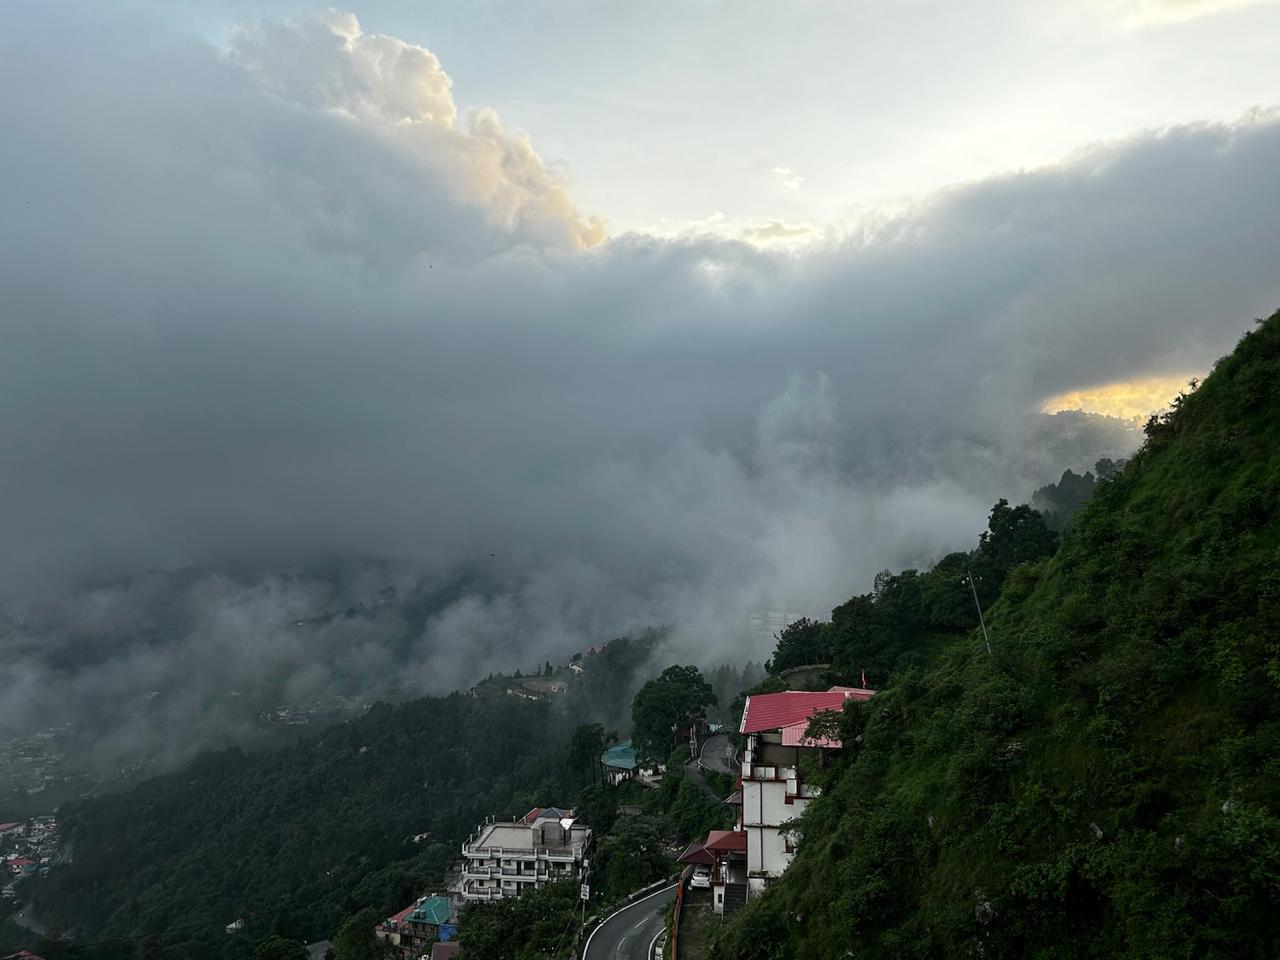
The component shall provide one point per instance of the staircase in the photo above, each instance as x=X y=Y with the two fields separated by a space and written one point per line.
x=735 y=898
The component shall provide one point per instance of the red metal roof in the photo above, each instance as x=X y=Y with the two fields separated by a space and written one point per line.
x=392 y=921
x=696 y=853
x=774 y=711
x=722 y=840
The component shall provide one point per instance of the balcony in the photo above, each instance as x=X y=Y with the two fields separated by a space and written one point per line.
x=476 y=873
x=482 y=893
x=765 y=771
x=557 y=854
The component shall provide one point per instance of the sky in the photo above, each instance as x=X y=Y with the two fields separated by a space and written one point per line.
x=667 y=115
x=616 y=317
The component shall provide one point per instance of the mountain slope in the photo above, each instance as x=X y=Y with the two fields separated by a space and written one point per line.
x=1107 y=783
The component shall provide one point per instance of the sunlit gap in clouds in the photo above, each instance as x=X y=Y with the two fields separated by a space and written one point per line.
x=1128 y=399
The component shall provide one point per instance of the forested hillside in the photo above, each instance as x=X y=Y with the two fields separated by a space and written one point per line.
x=293 y=840
x=288 y=838
x=1106 y=782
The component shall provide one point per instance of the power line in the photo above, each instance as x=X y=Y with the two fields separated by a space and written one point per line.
x=981 y=620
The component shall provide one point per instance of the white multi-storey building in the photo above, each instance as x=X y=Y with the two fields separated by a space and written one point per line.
x=505 y=859
x=773 y=786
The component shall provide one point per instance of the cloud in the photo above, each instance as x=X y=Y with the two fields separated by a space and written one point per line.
x=767 y=234
x=399 y=93
x=276 y=309
x=788 y=179
x=1144 y=12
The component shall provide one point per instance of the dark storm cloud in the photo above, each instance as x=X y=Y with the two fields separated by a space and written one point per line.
x=279 y=303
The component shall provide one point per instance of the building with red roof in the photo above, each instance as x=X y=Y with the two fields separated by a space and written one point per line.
x=725 y=852
x=774 y=790
x=412 y=931
x=771 y=791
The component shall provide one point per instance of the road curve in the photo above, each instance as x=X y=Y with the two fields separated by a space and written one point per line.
x=627 y=934
x=717 y=754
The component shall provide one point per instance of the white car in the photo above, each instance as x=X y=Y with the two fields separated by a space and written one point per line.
x=701 y=879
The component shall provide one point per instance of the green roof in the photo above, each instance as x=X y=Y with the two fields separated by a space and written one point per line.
x=432 y=910
x=622 y=756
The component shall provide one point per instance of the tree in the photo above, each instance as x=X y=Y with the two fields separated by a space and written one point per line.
x=533 y=926
x=676 y=697
x=276 y=947
x=631 y=857
x=355 y=939
x=1014 y=535
x=585 y=747
x=801 y=642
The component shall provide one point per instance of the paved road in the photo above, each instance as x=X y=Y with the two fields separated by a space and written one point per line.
x=717 y=754
x=628 y=933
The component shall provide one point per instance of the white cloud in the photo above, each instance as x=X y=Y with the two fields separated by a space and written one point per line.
x=399 y=92
x=788 y=179
x=1143 y=12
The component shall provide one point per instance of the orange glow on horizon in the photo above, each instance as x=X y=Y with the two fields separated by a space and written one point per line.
x=1129 y=399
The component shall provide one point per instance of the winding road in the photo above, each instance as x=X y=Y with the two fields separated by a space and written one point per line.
x=629 y=933
x=717 y=754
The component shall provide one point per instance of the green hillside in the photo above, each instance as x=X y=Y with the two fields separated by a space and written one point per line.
x=1107 y=783
x=294 y=839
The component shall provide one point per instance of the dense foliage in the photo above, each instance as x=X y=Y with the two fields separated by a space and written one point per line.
x=910 y=615
x=1107 y=783
x=541 y=923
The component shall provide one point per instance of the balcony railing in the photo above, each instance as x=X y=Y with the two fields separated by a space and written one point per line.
x=522 y=853
x=482 y=893
x=766 y=771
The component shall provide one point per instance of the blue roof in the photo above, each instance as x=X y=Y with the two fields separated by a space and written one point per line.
x=622 y=756
x=432 y=910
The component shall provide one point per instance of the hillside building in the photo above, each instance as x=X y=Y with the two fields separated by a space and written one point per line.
x=504 y=859
x=774 y=789
x=414 y=929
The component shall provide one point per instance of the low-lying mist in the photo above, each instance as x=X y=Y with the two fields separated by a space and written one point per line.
x=280 y=334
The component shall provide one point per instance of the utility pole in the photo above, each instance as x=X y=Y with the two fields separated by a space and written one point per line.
x=981 y=620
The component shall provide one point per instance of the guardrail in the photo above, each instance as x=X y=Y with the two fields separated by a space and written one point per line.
x=675 y=914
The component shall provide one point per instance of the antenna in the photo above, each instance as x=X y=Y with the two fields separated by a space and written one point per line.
x=981 y=620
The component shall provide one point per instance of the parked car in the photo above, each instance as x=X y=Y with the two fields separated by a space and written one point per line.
x=701 y=879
